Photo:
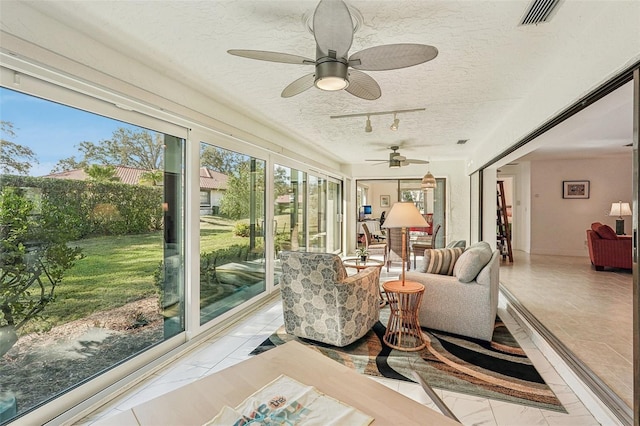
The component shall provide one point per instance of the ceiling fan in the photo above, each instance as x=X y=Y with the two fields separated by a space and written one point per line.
x=333 y=32
x=396 y=160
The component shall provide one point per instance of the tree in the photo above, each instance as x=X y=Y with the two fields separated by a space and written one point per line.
x=102 y=173
x=14 y=157
x=133 y=148
x=237 y=201
x=152 y=177
x=70 y=163
x=33 y=259
x=281 y=182
x=220 y=159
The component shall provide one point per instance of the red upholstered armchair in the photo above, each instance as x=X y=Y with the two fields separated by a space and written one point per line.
x=608 y=249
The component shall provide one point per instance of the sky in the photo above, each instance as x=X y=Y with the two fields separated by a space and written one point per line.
x=51 y=130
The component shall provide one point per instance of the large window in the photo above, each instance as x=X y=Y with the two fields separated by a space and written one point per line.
x=91 y=262
x=232 y=255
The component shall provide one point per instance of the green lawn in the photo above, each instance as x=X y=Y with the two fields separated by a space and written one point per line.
x=119 y=269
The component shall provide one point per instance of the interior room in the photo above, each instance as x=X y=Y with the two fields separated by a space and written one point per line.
x=167 y=168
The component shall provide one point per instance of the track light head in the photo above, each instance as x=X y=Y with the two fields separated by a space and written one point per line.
x=396 y=122
x=367 y=127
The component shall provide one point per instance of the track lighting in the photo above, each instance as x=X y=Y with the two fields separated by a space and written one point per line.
x=368 y=128
x=396 y=123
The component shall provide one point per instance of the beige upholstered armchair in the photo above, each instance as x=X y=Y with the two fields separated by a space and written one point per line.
x=320 y=302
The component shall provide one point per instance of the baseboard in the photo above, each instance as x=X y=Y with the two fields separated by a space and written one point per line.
x=604 y=404
x=555 y=252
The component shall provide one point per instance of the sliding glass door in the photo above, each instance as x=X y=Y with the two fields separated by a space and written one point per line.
x=232 y=240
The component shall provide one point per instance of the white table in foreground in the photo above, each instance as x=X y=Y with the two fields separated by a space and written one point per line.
x=200 y=401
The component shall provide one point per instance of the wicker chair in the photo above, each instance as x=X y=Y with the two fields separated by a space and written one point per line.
x=373 y=248
x=394 y=247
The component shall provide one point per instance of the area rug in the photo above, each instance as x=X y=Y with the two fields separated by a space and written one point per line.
x=499 y=369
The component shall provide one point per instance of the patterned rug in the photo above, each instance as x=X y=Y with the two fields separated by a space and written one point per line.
x=497 y=370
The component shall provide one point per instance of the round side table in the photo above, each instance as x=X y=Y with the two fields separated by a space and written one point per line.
x=403 y=329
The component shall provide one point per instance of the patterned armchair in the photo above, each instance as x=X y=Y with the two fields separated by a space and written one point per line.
x=320 y=302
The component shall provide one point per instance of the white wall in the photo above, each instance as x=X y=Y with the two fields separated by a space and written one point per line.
x=383 y=188
x=558 y=226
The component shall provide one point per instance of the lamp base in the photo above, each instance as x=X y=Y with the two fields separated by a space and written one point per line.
x=620 y=226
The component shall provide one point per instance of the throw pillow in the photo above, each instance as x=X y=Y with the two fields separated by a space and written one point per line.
x=457 y=243
x=440 y=261
x=595 y=225
x=606 y=232
x=471 y=262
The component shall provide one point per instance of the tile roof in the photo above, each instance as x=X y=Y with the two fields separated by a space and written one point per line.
x=209 y=179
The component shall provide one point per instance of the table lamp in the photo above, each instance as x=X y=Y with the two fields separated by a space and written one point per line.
x=404 y=215
x=620 y=209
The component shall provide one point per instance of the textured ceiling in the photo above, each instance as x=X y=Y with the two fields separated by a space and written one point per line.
x=486 y=66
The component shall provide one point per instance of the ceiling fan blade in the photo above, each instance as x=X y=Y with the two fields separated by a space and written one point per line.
x=392 y=56
x=298 y=86
x=333 y=27
x=414 y=161
x=363 y=86
x=263 y=55
x=378 y=162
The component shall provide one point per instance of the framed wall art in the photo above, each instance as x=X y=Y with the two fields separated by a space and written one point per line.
x=575 y=189
x=384 y=201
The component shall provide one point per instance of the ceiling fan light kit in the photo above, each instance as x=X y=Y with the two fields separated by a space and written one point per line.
x=333 y=29
x=331 y=76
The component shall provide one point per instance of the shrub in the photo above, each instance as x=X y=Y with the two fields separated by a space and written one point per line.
x=241 y=229
x=88 y=208
x=33 y=259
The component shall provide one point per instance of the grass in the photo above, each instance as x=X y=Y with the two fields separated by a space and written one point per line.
x=216 y=233
x=117 y=270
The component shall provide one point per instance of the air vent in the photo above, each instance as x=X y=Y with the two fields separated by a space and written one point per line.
x=539 y=11
x=462 y=141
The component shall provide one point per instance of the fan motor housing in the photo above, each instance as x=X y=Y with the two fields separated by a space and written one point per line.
x=331 y=74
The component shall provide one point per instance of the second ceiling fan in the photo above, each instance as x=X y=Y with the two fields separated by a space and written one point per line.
x=397 y=160
x=334 y=70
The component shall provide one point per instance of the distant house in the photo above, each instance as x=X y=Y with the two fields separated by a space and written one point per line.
x=212 y=187
x=212 y=184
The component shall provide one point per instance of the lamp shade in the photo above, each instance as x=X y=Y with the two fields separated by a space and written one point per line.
x=620 y=209
x=404 y=215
